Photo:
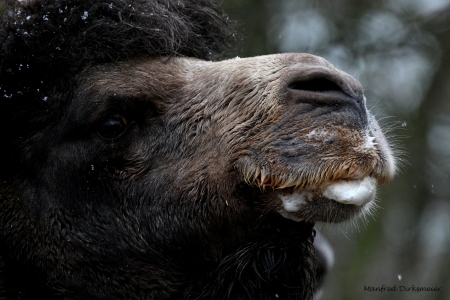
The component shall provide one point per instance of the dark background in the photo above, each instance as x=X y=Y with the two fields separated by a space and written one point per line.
x=400 y=51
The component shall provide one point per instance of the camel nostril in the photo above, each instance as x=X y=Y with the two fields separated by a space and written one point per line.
x=315 y=85
x=324 y=89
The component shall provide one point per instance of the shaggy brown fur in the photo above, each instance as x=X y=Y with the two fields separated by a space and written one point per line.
x=133 y=168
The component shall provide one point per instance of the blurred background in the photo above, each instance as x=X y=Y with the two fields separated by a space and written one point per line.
x=400 y=51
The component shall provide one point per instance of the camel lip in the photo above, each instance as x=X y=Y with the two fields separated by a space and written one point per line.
x=295 y=188
x=334 y=177
x=357 y=192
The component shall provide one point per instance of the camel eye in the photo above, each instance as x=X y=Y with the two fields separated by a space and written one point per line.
x=112 y=127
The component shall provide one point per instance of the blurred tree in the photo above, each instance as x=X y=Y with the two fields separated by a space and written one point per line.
x=2 y=7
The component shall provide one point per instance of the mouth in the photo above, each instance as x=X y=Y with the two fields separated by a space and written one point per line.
x=320 y=182
x=330 y=202
x=331 y=193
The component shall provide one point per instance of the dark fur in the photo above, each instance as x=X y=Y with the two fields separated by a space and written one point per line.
x=45 y=44
x=72 y=231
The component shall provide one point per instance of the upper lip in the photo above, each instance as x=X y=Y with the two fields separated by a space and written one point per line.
x=278 y=184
